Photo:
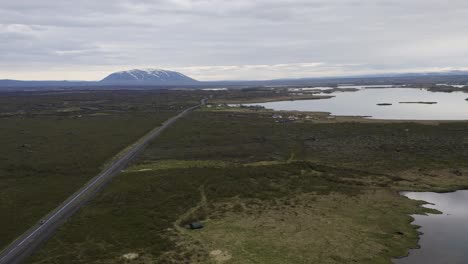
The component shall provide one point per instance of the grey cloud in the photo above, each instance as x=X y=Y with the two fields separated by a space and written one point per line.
x=345 y=36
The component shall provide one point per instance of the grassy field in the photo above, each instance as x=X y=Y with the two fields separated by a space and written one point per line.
x=261 y=95
x=298 y=192
x=52 y=143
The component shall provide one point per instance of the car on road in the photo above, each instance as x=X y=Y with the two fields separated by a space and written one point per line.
x=42 y=222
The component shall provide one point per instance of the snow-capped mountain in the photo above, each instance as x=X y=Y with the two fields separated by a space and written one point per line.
x=148 y=77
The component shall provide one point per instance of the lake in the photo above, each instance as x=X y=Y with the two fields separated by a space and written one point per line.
x=450 y=106
x=445 y=236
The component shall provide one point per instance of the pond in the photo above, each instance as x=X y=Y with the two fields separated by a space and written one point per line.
x=445 y=236
x=444 y=106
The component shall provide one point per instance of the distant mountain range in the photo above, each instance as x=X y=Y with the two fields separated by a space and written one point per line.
x=157 y=78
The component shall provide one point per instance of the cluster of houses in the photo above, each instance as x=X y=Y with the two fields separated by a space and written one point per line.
x=216 y=105
x=251 y=107
x=291 y=118
x=279 y=118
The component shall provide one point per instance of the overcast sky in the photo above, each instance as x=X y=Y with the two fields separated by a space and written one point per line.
x=230 y=39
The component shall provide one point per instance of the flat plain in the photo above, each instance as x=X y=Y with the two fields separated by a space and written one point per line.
x=54 y=142
x=312 y=190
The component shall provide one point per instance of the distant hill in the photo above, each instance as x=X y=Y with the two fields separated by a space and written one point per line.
x=42 y=84
x=163 y=79
x=148 y=77
x=417 y=74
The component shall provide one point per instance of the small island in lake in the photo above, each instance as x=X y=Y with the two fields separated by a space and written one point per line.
x=418 y=102
x=384 y=104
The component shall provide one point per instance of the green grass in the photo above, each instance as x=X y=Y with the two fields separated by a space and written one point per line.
x=46 y=154
x=335 y=186
x=136 y=212
x=251 y=137
x=313 y=228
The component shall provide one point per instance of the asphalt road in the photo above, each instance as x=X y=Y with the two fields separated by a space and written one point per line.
x=24 y=245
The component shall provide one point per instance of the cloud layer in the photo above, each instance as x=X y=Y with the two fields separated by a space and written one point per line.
x=262 y=39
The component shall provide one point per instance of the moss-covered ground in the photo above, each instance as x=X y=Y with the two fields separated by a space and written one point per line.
x=267 y=192
x=52 y=143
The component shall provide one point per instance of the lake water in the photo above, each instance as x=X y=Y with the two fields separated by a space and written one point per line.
x=445 y=236
x=215 y=89
x=450 y=106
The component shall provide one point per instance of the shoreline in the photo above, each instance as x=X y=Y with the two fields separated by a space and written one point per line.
x=365 y=119
x=427 y=211
x=280 y=99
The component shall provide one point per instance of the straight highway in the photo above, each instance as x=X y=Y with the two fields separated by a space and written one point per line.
x=24 y=245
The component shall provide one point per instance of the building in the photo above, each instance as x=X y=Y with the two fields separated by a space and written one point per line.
x=195 y=225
